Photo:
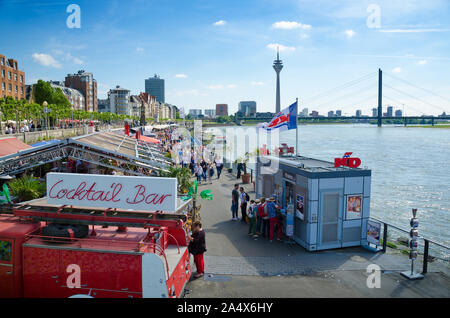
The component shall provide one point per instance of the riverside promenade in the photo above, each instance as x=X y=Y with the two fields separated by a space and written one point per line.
x=237 y=265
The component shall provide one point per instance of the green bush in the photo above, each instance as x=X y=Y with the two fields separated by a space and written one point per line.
x=27 y=188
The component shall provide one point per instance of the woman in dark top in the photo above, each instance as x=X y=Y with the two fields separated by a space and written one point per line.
x=197 y=247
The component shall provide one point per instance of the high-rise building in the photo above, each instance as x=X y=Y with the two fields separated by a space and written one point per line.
x=247 y=108
x=278 y=66
x=390 y=111
x=358 y=113
x=103 y=106
x=12 y=79
x=339 y=113
x=314 y=113
x=222 y=110
x=119 y=101
x=374 y=112
x=87 y=85
x=331 y=113
x=155 y=87
x=398 y=113
x=304 y=112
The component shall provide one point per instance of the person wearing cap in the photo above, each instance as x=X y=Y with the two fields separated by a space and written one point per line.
x=252 y=211
x=273 y=219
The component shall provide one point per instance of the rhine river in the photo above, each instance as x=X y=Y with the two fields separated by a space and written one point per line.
x=410 y=169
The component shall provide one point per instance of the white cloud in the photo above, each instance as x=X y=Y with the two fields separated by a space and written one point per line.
x=304 y=36
x=46 y=60
x=290 y=25
x=73 y=59
x=220 y=23
x=283 y=48
x=231 y=85
x=257 y=83
x=422 y=62
x=396 y=70
x=181 y=76
x=350 y=33
x=140 y=49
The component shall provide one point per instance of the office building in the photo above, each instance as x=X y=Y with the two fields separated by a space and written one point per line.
x=195 y=112
x=374 y=112
x=398 y=113
x=155 y=87
x=339 y=113
x=314 y=114
x=12 y=79
x=87 y=85
x=119 y=101
x=222 y=110
x=304 y=112
x=331 y=113
x=390 y=111
x=358 y=113
x=211 y=113
x=247 y=108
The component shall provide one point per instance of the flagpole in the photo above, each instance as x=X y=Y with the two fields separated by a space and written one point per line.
x=296 y=130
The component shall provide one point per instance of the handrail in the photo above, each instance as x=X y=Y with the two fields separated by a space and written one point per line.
x=406 y=231
x=176 y=241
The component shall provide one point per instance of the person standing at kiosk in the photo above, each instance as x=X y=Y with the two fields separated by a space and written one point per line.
x=273 y=219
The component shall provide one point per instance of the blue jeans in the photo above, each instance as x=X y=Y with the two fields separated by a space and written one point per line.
x=234 y=210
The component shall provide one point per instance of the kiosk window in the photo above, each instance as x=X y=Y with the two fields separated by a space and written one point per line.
x=5 y=251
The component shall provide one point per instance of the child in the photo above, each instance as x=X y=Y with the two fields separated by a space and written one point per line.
x=197 y=247
x=252 y=211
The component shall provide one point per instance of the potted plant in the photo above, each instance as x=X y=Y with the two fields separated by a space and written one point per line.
x=245 y=176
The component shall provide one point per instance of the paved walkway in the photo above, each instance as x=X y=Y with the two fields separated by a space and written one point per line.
x=232 y=252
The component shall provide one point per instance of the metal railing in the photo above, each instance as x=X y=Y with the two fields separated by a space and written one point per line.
x=424 y=248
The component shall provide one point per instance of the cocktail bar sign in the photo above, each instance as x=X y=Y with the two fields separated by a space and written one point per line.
x=104 y=191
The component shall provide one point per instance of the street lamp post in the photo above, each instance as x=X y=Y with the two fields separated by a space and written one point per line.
x=45 y=104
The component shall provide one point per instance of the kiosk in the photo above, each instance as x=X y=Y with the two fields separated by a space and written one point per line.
x=331 y=204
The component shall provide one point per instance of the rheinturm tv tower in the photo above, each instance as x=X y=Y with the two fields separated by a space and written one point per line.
x=278 y=66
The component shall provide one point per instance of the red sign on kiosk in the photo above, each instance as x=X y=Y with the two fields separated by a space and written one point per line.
x=347 y=161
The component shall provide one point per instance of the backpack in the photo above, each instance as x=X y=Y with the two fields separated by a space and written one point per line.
x=247 y=197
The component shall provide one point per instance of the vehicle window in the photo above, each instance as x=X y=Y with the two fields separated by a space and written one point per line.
x=5 y=251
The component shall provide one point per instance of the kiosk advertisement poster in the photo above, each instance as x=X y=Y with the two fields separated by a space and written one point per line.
x=290 y=220
x=105 y=191
x=299 y=211
x=373 y=232
x=353 y=207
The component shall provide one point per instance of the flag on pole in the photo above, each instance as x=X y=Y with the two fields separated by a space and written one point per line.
x=284 y=120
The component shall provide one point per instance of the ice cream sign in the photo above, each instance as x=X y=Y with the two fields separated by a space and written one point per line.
x=104 y=191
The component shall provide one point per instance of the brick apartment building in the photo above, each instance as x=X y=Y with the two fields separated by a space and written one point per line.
x=221 y=110
x=12 y=79
x=87 y=85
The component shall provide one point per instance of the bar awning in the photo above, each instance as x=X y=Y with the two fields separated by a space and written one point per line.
x=11 y=145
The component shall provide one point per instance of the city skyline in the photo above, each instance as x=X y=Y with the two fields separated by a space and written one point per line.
x=204 y=62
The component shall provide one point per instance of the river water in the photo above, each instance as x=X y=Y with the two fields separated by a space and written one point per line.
x=410 y=169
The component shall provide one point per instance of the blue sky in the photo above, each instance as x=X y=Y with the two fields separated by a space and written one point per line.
x=221 y=51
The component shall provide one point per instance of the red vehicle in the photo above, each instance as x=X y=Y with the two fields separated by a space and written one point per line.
x=48 y=251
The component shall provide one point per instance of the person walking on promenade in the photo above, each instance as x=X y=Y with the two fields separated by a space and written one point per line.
x=210 y=172
x=239 y=168
x=260 y=216
x=235 y=202
x=197 y=247
x=199 y=173
x=219 y=166
x=252 y=212
x=273 y=219
x=244 y=199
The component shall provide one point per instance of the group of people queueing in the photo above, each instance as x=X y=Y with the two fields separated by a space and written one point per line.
x=261 y=215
